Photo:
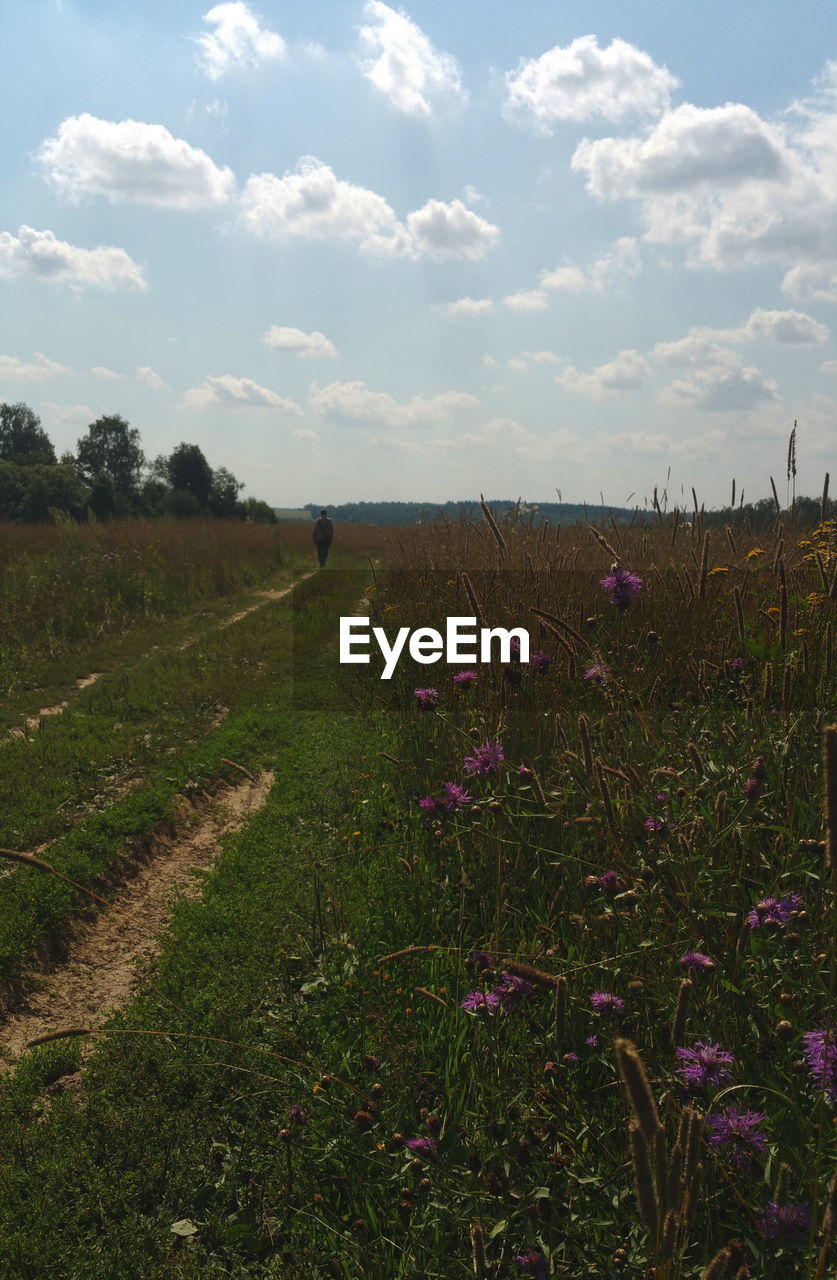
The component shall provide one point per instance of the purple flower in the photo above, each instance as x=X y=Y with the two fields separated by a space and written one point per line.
x=534 y=1264
x=820 y=1049
x=480 y=1002
x=621 y=585
x=427 y=698
x=464 y=678
x=297 y=1114
x=774 y=911
x=514 y=647
x=697 y=960
x=455 y=797
x=540 y=662
x=429 y=804
x=785 y=1221
x=571 y=1059
x=524 y=771
x=598 y=671
x=422 y=1146
x=706 y=1063
x=608 y=882
x=592 y=1042
x=482 y=960
x=662 y=796
x=740 y=1130
x=736 y=663
x=511 y=991
x=654 y=824
x=751 y=788
x=606 y=1002
x=486 y=758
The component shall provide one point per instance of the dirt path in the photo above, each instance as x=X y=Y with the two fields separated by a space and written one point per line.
x=31 y=723
x=107 y=956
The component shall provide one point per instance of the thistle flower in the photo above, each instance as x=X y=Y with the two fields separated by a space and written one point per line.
x=482 y=960
x=785 y=1221
x=607 y=882
x=706 y=1063
x=697 y=960
x=297 y=1114
x=621 y=585
x=533 y=1264
x=606 y=1002
x=540 y=663
x=736 y=663
x=598 y=671
x=751 y=788
x=774 y=911
x=480 y=1002
x=455 y=797
x=464 y=678
x=820 y=1049
x=514 y=647
x=426 y=698
x=654 y=824
x=422 y=1146
x=739 y=1129
x=592 y=1042
x=486 y=759
x=429 y=804
x=511 y=991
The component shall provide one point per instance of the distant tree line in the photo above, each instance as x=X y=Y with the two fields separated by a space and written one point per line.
x=109 y=477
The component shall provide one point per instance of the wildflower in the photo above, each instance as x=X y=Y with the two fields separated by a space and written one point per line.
x=736 y=663
x=426 y=698
x=482 y=960
x=621 y=585
x=422 y=1146
x=480 y=1002
x=706 y=1063
x=606 y=1002
x=697 y=960
x=429 y=804
x=464 y=678
x=524 y=771
x=751 y=788
x=534 y=1264
x=514 y=647
x=570 y=1058
x=455 y=797
x=540 y=663
x=774 y=911
x=297 y=1114
x=592 y=1042
x=608 y=881
x=661 y=797
x=820 y=1049
x=740 y=1130
x=751 y=555
x=598 y=671
x=486 y=758
x=511 y=991
x=718 y=569
x=654 y=824
x=785 y=1221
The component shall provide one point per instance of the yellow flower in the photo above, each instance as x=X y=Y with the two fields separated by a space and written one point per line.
x=772 y=610
x=802 y=631
x=814 y=598
x=718 y=569
x=756 y=551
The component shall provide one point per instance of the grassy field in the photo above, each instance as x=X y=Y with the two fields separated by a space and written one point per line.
x=530 y=974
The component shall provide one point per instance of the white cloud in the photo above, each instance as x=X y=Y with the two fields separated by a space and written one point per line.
x=580 y=82
x=703 y=345
x=812 y=282
x=355 y=400
x=100 y=371
x=526 y=300
x=39 y=368
x=624 y=373
x=792 y=328
x=305 y=433
x=622 y=260
x=237 y=41
x=314 y=203
x=441 y=231
x=132 y=161
x=403 y=63
x=829 y=366
x=566 y=279
x=303 y=345
x=42 y=255
x=465 y=307
x=146 y=375
x=61 y=415
x=721 y=389
x=228 y=392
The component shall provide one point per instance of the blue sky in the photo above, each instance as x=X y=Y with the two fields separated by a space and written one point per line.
x=354 y=250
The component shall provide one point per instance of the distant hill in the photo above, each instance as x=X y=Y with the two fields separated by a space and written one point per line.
x=403 y=513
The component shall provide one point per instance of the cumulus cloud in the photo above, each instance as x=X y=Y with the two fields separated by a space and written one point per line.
x=582 y=81
x=225 y=391
x=566 y=279
x=622 y=261
x=402 y=62
x=721 y=388
x=355 y=400
x=624 y=373
x=35 y=371
x=314 y=203
x=238 y=41
x=129 y=161
x=465 y=307
x=42 y=255
x=305 y=433
x=62 y=415
x=526 y=300
x=100 y=371
x=146 y=375
x=303 y=345
x=732 y=187
x=703 y=345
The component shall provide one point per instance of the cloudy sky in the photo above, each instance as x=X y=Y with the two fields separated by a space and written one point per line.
x=359 y=251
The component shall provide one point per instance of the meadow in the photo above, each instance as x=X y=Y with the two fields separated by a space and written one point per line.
x=524 y=969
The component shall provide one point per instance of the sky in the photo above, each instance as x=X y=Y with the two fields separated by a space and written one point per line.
x=363 y=252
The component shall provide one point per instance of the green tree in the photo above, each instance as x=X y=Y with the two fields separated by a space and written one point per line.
x=223 y=495
x=189 y=470
x=110 y=451
x=22 y=438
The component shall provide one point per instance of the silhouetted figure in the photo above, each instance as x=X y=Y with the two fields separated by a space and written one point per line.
x=323 y=534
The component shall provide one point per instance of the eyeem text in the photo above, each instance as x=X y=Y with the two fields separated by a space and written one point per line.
x=426 y=644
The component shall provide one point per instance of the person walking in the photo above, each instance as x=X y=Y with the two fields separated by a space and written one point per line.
x=323 y=534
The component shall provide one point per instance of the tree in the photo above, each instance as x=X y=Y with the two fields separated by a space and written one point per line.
x=189 y=470
x=111 y=451
x=22 y=438
x=223 y=496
